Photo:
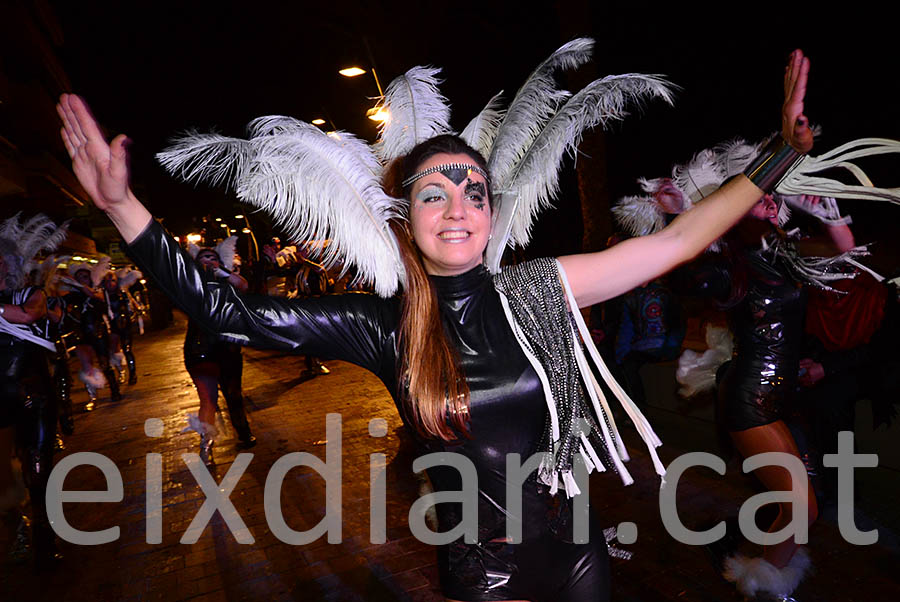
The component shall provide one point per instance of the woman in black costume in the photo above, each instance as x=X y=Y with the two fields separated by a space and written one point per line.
x=86 y=309
x=767 y=307
x=27 y=402
x=214 y=364
x=121 y=319
x=448 y=323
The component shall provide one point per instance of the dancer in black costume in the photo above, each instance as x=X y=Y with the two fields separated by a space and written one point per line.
x=216 y=364
x=496 y=408
x=122 y=316
x=28 y=409
x=86 y=308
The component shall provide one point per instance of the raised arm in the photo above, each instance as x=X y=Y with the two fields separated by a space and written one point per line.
x=357 y=329
x=101 y=167
x=595 y=277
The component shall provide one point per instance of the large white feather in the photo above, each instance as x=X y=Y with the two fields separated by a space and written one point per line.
x=225 y=249
x=535 y=102
x=39 y=233
x=211 y=158
x=536 y=176
x=416 y=110
x=317 y=187
x=639 y=215
x=482 y=130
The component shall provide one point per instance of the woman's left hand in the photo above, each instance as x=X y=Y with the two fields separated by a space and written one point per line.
x=794 y=124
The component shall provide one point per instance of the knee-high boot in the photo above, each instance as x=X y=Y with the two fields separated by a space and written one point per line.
x=132 y=366
x=62 y=384
x=232 y=368
x=38 y=435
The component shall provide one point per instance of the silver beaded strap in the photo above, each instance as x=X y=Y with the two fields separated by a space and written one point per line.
x=442 y=168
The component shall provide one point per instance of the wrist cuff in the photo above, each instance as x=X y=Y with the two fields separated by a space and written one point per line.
x=771 y=165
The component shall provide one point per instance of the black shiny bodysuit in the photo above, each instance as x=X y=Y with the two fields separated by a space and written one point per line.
x=507 y=413
x=768 y=330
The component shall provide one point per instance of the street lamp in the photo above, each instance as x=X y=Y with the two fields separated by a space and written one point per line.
x=376 y=113
x=249 y=230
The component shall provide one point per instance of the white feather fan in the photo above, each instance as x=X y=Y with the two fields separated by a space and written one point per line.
x=313 y=185
x=416 y=111
x=482 y=130
x=225 y=249
x=535 y=102
x=536 y=175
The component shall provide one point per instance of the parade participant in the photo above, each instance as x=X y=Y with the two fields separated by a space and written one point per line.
x=86 y=308
x=27 y=403
x=122 y=315
x=215 y=364
x=482 y=366
x=757 y=273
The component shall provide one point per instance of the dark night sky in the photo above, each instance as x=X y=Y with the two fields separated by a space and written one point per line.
x=152 y=71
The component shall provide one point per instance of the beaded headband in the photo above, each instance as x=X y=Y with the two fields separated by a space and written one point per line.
x=455 y=172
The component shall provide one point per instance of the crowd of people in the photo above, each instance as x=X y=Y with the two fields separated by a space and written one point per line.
x=481 y=360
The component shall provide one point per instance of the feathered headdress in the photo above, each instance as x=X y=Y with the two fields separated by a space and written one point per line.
x=318 y=187
x=21 y=242
x=315 y=186
x=128 y=276
x=98 y=271
x=416 y=111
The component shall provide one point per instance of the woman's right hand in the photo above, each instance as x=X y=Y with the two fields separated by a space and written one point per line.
x=101 y=167
x=794 y=124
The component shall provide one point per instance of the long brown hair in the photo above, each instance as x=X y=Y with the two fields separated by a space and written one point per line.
x=436 y=392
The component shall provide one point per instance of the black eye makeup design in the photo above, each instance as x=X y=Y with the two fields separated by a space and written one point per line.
x=477 y=189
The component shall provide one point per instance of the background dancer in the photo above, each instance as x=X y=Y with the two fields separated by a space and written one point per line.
x=27 y=401
x=215 y=364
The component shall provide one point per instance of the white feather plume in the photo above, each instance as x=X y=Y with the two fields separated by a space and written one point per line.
x=225 y=249
x=639 y=215
x=318 y=187
x=536 y=175
x=535 y=102
x=210 y=158
x=128 y=276
x=35 y=235
x=416 y=111
x=100 y=270
x=314 y=186
x=25 y=240
x=482 y=130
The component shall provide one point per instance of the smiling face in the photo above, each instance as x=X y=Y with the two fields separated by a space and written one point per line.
x=765 y=209
x=450 y=217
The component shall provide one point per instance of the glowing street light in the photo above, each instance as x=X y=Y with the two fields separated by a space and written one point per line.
x=239 y=216
x=351 y=71
x=318 y=121
x=194 y=238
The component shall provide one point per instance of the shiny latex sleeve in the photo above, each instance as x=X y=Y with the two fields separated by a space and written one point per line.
x=357 y=328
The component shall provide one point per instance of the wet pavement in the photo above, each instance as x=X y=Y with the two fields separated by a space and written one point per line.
x=288 y=414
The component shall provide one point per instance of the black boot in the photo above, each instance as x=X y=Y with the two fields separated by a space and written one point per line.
x=114 y=392
x=241 y=425
x=132 y=367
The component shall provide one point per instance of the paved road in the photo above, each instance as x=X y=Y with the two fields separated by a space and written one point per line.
x=288 y=415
